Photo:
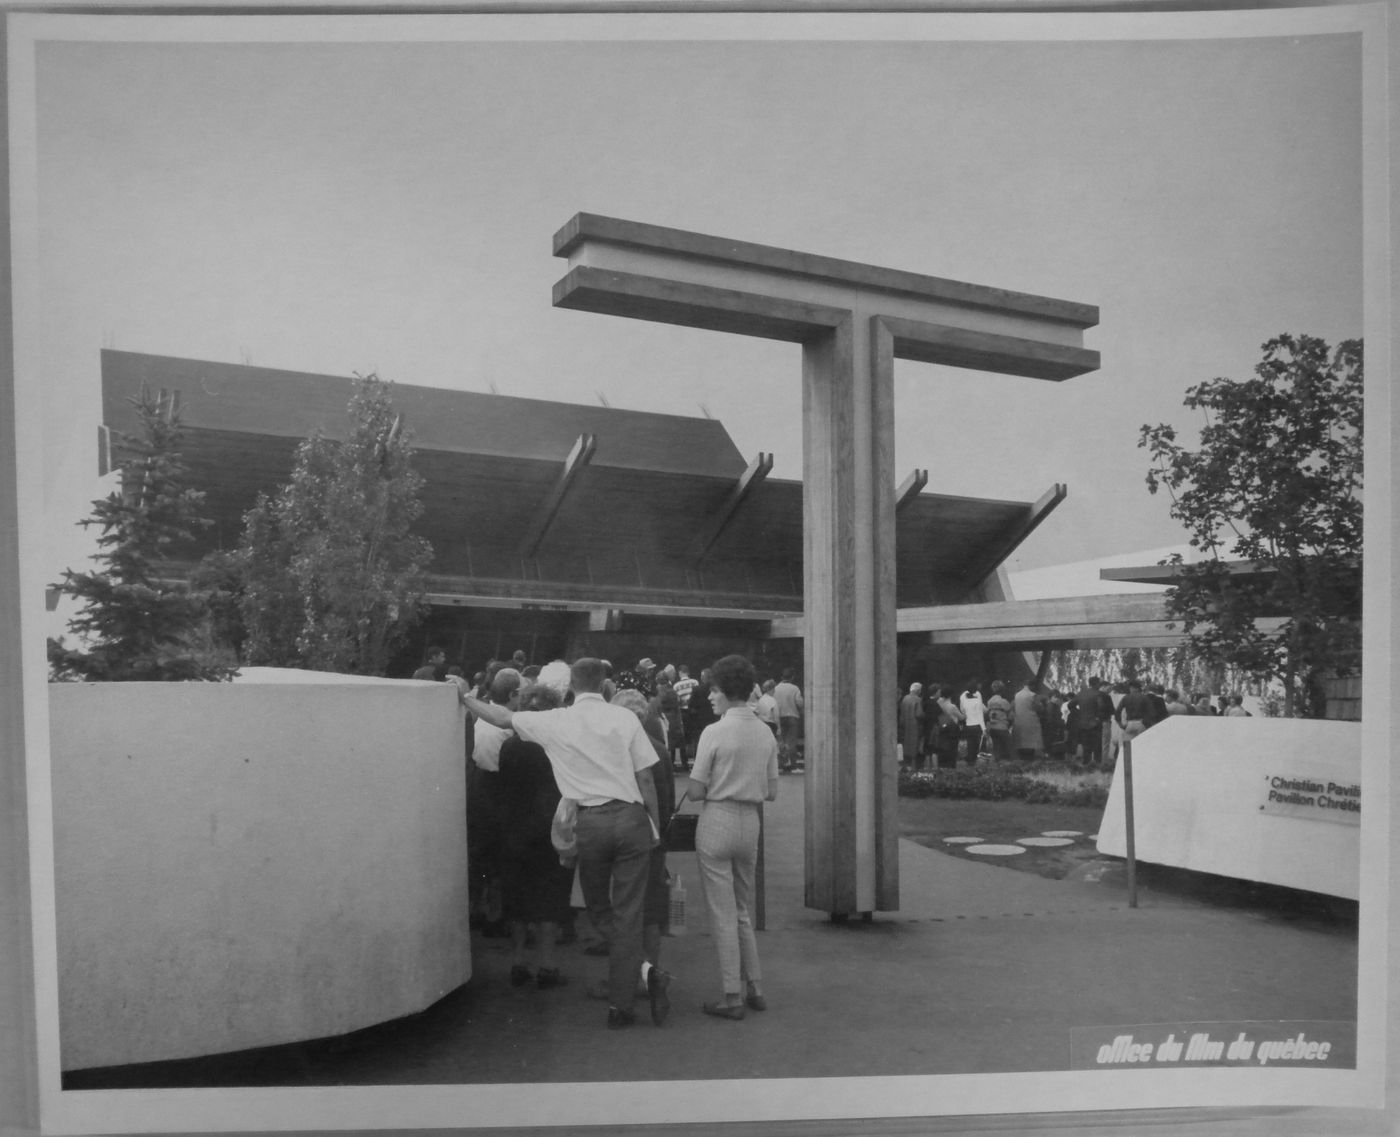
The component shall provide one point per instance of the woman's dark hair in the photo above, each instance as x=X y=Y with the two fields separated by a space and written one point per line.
x=734 y=676
x=539 y=698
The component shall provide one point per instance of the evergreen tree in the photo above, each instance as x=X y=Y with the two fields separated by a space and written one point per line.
x=332 y=577
x=138 y=621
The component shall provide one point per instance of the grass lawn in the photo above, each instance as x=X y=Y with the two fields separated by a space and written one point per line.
x=929 y=820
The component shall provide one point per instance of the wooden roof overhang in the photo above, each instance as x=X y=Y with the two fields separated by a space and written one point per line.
x=536 y=503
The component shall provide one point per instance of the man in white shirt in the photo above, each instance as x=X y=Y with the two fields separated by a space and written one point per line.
x=789 y=699
x=601 y=759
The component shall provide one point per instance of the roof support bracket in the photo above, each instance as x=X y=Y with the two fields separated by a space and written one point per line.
x=910 y=488
x=757 y=470
x=579 y=457
x=1012 y=538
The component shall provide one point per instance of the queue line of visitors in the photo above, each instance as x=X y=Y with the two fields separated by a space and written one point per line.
x=946 y=724
x=547 y=752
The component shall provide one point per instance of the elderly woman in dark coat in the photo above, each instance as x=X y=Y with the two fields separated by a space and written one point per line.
x=534 y=885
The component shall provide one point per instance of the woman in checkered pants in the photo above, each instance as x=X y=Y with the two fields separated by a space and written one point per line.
x=736 y=771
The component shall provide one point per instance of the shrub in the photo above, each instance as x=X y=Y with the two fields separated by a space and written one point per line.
x=1044 y=784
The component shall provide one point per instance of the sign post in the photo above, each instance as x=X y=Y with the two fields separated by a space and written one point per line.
x=1128 y=820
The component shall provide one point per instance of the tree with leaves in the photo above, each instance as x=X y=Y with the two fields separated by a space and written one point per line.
x=332 y=577
x=138 y=619
x=1276 y=482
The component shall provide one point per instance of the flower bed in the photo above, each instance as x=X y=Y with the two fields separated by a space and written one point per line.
x=1048 y=783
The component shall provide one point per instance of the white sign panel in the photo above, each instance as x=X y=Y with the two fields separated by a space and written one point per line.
x=1271 y=800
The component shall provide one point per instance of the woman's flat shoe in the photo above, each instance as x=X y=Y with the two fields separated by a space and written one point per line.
x=723 y=1010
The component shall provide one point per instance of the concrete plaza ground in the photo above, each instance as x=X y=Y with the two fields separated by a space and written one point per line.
x=981 y=970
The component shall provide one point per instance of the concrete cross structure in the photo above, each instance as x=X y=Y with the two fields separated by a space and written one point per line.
x=852 y=320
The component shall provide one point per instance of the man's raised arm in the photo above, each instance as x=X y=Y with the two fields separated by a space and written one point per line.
x=493 y=713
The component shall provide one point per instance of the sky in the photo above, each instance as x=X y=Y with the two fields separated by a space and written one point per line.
x=389 y=207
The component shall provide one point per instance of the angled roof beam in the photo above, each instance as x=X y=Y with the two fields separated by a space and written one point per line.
x=910 y=488
x=579 y=457
x=757 y=470
x=1011 y=539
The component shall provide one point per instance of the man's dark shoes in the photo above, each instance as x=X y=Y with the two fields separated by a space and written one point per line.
x=619 y=1019
x=550 y=977
x=657 y=982
x=754 y=1001
x=519 y=976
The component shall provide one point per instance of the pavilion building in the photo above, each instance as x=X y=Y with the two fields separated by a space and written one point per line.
x=565 y=529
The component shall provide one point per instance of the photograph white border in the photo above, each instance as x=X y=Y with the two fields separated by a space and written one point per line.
x=879 y=1100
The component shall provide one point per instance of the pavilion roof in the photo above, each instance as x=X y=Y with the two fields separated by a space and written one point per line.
x=656 y=504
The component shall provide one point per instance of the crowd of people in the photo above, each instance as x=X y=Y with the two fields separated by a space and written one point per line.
x=942 y=725
x=573 y=775
x=572 y=772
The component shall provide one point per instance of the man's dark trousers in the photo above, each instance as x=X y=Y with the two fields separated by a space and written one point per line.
x=788 y=726
x=614 y=860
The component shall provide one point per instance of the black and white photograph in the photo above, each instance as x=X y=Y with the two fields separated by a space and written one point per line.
x=597 y=569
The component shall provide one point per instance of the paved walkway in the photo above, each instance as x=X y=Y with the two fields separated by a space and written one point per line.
x=983 y=969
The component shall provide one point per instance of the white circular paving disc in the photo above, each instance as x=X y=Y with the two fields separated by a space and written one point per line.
x=1062 y=833
x=996 y=850
x=1044 y=842
x=961 y=840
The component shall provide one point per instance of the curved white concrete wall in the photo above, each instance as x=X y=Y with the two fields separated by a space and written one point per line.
x=1201 y=801
x=252 y=863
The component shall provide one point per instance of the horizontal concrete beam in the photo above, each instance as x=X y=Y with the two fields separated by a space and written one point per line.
x=585 y=228
x=1134 y=620
x=650 y=272
x=617 y=607
x=704 y=306
x=1167 y=574
x=988 y=351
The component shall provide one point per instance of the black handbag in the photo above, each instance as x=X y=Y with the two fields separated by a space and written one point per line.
x=679 y=835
